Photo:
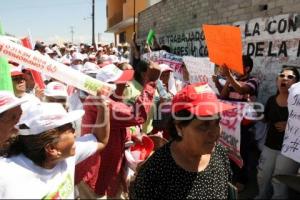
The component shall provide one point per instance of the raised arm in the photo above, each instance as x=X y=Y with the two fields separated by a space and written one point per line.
x=101 y=128
x=238 y=87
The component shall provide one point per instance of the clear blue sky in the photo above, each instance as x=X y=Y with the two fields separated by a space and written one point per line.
x=50 y=20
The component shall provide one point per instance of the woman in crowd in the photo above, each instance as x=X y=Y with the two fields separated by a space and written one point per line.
x=191 y=165
x=10 y=113
x=276 y=116
x=41 y=162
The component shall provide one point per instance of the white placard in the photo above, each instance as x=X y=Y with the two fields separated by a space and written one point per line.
x=200 y=70
x=291 y=143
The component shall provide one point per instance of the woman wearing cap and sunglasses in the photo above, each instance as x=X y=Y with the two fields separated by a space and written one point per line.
x=41 y=162
x=276 y=116
x=191 y=165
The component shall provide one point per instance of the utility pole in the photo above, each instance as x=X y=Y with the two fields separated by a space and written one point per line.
x=72 y=33
x=93 y=24
x=133 y=15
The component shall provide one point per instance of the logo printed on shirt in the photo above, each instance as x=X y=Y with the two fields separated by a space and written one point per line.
x=5 y=100
x=58 y=87
x=64 y=190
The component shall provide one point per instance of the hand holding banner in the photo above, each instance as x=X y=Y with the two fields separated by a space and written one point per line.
x=61 y=72
x=224 y=45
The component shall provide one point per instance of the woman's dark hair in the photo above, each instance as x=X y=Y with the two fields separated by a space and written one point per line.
x=166 y=48
x=2 y=114
x=247 y=62
x=293 y=69
x=141 y=67
x=184 y=118
x=33 y=146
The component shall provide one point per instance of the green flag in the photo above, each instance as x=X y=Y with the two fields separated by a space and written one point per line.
x=150 y=37
x=1 y=29
x=5 y=78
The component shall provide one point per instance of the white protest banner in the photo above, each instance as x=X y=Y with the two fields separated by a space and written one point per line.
x=231 y=130
x=200 y=70
x=155 y=55
x=52 y=68
x=291 y=142
x=163 y=57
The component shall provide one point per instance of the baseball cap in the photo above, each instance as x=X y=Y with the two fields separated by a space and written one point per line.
x=113 y=59
x=111 y=73
x=9 y=101
x=56 y=89
x=16 y=71
x=49 y=51
x=46 y=116
x=104 y=60
x=200 y=100
x=77 y=56
x=92 y=56
x=90 y=68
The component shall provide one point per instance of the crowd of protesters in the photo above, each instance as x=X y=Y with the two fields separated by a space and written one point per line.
x=61 y=142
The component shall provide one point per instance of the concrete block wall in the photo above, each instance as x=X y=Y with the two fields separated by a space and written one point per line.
x=176 y=15
x=270 y=31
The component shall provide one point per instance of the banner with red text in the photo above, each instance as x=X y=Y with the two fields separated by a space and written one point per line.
x=231 y=131
x=52 y=68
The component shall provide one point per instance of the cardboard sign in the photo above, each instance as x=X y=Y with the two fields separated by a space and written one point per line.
x=224 y=45
x=52 y=68
x=200 y=70
x=291 y=143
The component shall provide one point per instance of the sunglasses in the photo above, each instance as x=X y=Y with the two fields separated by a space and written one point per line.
x=18 y=79
x=291 y=77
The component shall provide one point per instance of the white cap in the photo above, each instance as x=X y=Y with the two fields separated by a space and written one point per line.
x=123 y=60
x=90 y=68
x=9 y=101
x=111 y=73
x=92 y=56
x=56 y=89
x=105 y=57
x=47 y=116
x=77 y=56
x=113 y=59
x=114 y=49
x=65 y=61
x=48 y=50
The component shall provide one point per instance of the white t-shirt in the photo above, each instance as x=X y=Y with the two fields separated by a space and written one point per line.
x=21 y=178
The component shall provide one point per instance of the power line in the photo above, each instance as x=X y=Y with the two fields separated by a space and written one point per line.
x=93 y=23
